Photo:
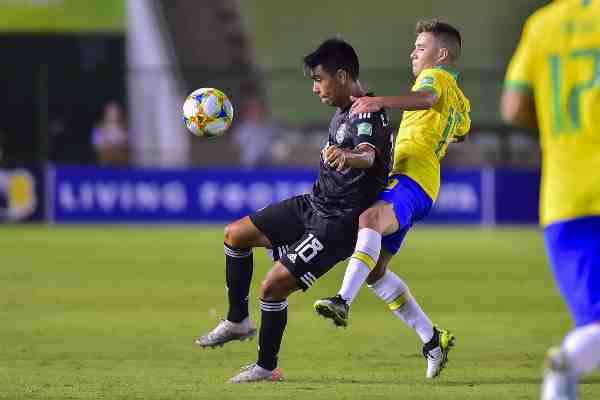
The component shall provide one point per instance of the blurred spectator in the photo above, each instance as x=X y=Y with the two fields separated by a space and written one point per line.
x=258 y=135
x=109 y=137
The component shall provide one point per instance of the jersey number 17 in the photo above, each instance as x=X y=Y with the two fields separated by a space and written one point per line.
x=566 y=115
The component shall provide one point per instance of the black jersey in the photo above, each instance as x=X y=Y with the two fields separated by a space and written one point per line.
x=352 y=189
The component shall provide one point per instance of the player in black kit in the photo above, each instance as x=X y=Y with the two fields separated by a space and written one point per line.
x=317 y=229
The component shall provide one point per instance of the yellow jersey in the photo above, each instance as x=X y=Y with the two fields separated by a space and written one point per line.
x=558 y=63
x=423 y=136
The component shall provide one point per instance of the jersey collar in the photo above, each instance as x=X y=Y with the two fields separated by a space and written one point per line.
x=345 y=109
x=449 y=70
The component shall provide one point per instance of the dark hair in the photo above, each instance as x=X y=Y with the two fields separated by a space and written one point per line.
x=448 y=35
x=334 y=54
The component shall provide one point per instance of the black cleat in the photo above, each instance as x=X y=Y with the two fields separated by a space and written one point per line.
x=333 y=308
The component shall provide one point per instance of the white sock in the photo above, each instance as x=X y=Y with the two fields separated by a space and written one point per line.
x=394 y=292
x=363 y=260
x=582 y=347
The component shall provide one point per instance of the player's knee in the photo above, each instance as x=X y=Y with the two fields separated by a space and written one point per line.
x=369 y=218
x=376 y=274
x=229 y=233
x=234 y=234
x=272 y=290
x=278 y=285
x=266 y=289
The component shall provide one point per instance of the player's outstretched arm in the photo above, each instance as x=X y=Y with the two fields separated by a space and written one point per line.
x=411 y=101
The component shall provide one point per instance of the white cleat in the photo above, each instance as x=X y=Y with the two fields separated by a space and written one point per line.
x=256 y=373
x=560 y=381
x=226 y=331
x=436 y=351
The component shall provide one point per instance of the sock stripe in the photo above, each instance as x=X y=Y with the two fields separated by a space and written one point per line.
x=365 y=258
x=273 y=305
x=237 y=253
x=399 y=301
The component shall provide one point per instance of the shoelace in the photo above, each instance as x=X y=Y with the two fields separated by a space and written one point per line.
x=433 y=357
x=219 y=330
x=248 y=367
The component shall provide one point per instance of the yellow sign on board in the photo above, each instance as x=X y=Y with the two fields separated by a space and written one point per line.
x=62 y=16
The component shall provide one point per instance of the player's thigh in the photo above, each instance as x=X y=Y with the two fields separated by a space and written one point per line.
x=312 y=257
x=243 y=233
x=408 y=201
x=281 y=223
x=326 y=243
x=574 y=252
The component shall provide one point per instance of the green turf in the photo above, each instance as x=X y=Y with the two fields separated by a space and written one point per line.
x=111 y=312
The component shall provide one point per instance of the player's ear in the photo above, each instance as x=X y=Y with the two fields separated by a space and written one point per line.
x=342 y=76
x=443 y=54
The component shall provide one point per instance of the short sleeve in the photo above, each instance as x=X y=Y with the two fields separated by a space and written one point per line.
x=368 y=128
x=428 y=79
x=520 y=72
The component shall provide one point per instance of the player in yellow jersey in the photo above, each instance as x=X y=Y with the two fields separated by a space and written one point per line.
x=553 y=81
x=436 y=112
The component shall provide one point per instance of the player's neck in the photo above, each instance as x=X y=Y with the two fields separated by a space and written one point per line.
x=356 y=90
x=445 y=65
x=449 y=68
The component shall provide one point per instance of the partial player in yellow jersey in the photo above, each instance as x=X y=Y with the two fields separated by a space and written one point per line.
x=553 y=82
x=436 y=112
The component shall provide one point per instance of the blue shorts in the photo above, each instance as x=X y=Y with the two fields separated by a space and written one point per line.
x=411 y=204
x=574 y=250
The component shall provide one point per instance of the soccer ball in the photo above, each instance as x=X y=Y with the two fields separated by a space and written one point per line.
x=207 y=112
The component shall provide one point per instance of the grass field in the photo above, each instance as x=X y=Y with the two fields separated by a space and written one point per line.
x=111 y=312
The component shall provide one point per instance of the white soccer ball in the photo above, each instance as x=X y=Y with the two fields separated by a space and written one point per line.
x=207 y=112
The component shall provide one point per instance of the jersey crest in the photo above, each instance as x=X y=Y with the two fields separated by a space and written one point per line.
x=340 y=134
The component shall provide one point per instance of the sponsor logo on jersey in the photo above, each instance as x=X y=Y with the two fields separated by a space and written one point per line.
x=428 y=80
x=365 y=129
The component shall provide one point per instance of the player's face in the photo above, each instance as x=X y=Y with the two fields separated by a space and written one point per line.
x=326 y=86
x=426 y=53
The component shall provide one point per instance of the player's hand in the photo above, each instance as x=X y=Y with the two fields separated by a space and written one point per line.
x=324 y=152
x=365 y=104
x=335 y=157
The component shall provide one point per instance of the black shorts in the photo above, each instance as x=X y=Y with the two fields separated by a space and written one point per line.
x=315 y=243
